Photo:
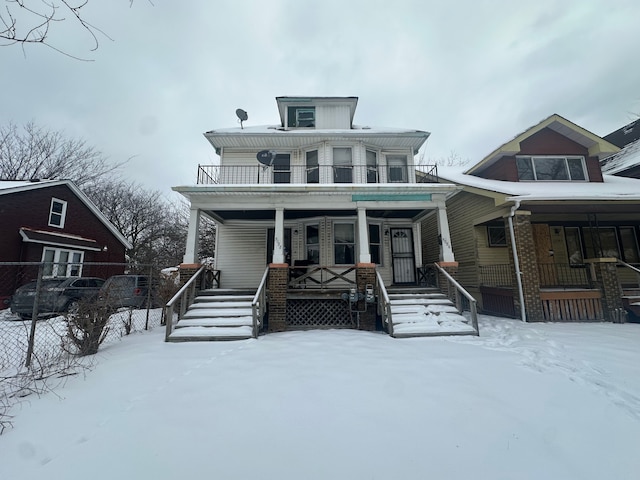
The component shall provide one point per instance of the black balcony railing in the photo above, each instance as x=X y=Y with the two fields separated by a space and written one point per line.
x=256 y=174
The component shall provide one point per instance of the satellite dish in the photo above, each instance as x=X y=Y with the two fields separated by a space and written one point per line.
x=266 y=157
x=242 y=116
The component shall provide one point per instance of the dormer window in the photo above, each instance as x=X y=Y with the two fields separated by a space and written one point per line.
x=57 y=213
x=299 y=117
x=551 y=168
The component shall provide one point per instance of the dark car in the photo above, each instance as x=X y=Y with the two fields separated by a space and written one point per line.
x=57 y=295
x=130 y=291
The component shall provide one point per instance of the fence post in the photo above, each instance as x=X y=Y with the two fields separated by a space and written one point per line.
x=149 y=288
x=34 y=315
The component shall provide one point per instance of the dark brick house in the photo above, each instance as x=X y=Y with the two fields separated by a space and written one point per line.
x=54 y=222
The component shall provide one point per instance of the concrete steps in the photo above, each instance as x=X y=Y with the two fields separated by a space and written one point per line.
x=425 y=312
x=216 y=315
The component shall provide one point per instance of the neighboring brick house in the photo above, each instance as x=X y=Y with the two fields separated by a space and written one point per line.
x=626 y=162
x=52 y=221
x=539 y=231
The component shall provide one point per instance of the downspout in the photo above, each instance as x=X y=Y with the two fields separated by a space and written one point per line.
x=516 y=260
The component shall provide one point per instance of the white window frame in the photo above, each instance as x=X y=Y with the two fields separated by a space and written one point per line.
x=372 y=168
x=70 y=268
x=380 y=243
x=532 y=161
x=345 y=166
x=307 y=244
x=61 y=215
x=355 y=242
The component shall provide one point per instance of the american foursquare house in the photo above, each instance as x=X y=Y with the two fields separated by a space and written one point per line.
x=315 y=209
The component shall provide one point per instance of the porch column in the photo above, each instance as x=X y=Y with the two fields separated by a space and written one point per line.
x=278 y=237
x=364 y=256
x=192 y=247
x=444 y=237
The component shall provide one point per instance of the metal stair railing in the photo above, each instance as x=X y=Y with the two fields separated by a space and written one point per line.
x=459 y=293
x=259 y=303
x=185 y=296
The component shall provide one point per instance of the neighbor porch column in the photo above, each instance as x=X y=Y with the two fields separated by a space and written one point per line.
x=278 y=237
x=444 y=237
x=192 y=247
x=364 y=255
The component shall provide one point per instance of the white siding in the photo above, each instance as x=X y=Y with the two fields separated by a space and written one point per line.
x=333 y=116
x=241 y=255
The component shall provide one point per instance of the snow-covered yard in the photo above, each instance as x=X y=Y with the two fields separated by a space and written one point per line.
x=537 y=401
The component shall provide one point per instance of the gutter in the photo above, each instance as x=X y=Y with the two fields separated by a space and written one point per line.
x=516 y=260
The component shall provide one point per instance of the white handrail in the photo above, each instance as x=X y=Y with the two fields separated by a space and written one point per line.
x=258 y=303
x=472 y=301
x=386 y=305
x=182 y=295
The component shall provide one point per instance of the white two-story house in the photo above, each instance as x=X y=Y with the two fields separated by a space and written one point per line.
x=317 y=190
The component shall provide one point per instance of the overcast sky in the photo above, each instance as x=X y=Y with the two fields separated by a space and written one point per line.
x=473 y=73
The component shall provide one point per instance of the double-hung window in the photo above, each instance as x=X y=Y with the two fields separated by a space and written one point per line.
x=301 y=117
x=344 y=243
x=372 y=167
x=375 y=241
x=57 y=213
x=550 y=168
x=342 y=166
x=282 y=168
x=312 y=243
x=397 y=167
x=313 y=170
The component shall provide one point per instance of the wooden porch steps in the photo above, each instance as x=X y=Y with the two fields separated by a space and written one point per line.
x=425 y=312
x=216 y=315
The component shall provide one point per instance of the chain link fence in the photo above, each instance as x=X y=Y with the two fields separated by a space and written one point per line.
x=53 y=314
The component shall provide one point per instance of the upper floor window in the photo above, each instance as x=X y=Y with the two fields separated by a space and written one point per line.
x=313 y=170
x=397 y=165
x=301 y=117
x=372 y=167
x=57 y=213
x=342 y=166
x=282 y=168
x=551 y=168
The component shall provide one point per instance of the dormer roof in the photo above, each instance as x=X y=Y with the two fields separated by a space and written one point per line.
x=288 y=101
x=597 y=146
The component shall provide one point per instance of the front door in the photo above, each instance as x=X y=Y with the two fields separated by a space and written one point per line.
x=404 y=271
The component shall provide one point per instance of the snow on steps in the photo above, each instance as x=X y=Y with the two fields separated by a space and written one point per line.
x=216 y=315
x=425 y=313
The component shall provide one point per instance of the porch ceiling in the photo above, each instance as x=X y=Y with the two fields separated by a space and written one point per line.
x=299 y=214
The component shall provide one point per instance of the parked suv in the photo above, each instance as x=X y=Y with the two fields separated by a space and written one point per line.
x=128 y=291
x=56 y=295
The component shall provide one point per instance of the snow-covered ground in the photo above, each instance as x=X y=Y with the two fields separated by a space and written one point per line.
x=537 y=401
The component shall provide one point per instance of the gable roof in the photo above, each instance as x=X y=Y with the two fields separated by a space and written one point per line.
x=598 y=147
x=625 y=159
x=611 y=188
x=625 y=135
x=9 y=187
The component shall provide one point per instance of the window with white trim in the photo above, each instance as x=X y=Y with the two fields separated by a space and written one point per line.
x=59 y=262
x=551 y=168
x=372 y=166
x=342 y=166
x=313 y=169
x=397 y=168
x=299 y=117
x=57 y=213
x=375 y=243
x=344 y=243
x=312 y=243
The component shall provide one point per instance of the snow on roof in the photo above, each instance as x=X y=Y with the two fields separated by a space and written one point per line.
x=11 y=184
x=612 y=188
x=277 y=129
x=625 y=159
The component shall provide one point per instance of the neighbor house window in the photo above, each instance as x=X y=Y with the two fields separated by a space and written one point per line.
x=375 y=243
x=313 y=170
x=397 y=165
x=497 y=236
x=551 y=168
x=301 y=117
x=372 y=167
x=282 y=168
x=59 y=262
x=342 y=167
x=312 y=239
x=344 y=243
x=57 y=213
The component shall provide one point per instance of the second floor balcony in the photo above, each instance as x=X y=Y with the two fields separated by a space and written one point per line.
x=319 y=174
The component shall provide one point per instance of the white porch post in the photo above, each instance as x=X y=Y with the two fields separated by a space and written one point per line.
x=417 y=244
x=278 y=237
x=364 y=256
x=446 y=250
x=191 y=251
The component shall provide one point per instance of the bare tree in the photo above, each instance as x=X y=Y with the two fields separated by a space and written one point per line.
x=451 y=160
x=32 y=152
x=31 y=21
